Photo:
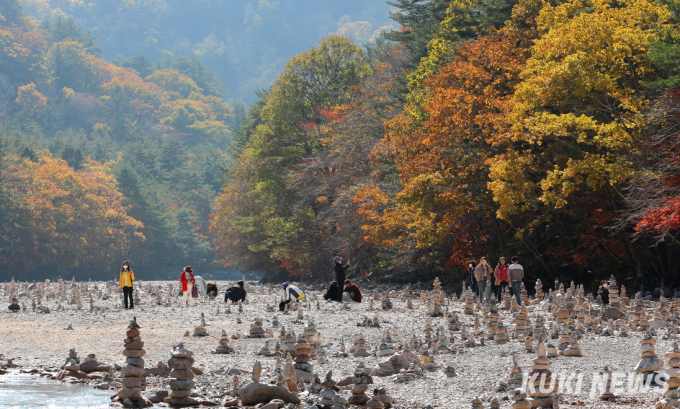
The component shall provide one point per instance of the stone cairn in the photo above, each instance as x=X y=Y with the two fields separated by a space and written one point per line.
x=303 y=354
x=182 y=384
x=671 y=385
x=477 y=403
x=310 y=334
x=649 y=363
x=374 y=402
x=386 y=303
x=427 y=360
x=541 y=391
x=359 y=396
x=573 y=349
x=200 y=331
x=359 y=347
x=256 y=329
x=608 y=393
x=515 y=374
x=288 y=373
x=327 y=393
x=519 y=399
x=223 y=347
x=133 y=372
x=469 y=308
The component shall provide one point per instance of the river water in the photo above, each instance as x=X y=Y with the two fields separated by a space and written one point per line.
x=28 y=391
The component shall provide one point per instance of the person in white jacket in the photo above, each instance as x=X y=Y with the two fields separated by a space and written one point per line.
x=292 y=293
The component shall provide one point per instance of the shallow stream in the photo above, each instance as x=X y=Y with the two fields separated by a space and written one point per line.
x=25 y=391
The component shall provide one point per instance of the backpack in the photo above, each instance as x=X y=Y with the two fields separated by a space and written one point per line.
x=194 y=292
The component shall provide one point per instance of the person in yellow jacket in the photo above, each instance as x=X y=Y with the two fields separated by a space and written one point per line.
x=126 y=278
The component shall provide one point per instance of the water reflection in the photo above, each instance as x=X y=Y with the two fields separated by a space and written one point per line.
x=26 y=391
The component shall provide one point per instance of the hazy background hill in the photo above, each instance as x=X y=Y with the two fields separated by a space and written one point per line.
x=245 y=42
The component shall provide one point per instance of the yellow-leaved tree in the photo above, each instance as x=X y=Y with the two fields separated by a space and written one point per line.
x=579 y=105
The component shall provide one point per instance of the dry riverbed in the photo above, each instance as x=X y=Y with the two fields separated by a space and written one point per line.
x=40 y=341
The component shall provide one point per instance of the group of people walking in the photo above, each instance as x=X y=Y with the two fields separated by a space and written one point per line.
x=504 y=275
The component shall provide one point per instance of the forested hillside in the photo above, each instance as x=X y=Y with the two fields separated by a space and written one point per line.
x=101 y=163
x=546 y=130
x=245 y=42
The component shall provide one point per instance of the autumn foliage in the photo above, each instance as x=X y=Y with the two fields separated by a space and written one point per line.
x=99 y=162
x=65 y=221
x=525 y=128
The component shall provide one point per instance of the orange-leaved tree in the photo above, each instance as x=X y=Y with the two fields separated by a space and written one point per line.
x=69 y=221
x=444 y=201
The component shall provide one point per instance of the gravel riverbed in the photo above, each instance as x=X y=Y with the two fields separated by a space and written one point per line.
x=39 y=341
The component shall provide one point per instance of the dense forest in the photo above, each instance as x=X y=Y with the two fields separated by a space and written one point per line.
x=102 y=163
x=245 y=42
x=546 y=130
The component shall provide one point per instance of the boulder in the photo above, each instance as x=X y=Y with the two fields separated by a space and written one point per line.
x=130 y=370
x=308 y=377
x=178 y=385
x=396 y=363
x=181 y=402
x=655 y=323
x=160 y=371
x=256 y=392
x=182 y=374
x=347 y=380
x=131 y=382
x=94 y=366
x=156 y=395
x=75 y=374
x=180 y=363
x=231 y=403
x=144 y=403
x=612 y=314
x=137 y=344
x=649 y=364
x=133 y=361
x=132 y=393
x=134 y=353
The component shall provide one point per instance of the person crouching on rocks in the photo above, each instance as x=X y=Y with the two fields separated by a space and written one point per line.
x=212 y=290
x=126 y=278
x=188 y=282
x=292 y=293
x=333 y=293
x=352 y=290
x=236 y=293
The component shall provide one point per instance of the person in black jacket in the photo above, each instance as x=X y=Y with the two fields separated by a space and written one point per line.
x=236 y=293
x=212 y=290
x=333 y=292
x=603 y=291
x=340 y=274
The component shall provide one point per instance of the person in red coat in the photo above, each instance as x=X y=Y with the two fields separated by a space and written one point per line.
x=352 y=290
x=188 y=282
